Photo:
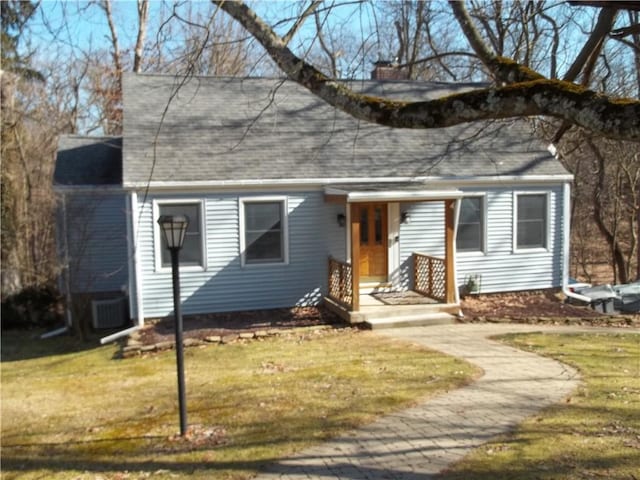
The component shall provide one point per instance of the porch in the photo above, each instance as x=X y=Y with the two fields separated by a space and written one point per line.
x=376 y=219
x=427 y=304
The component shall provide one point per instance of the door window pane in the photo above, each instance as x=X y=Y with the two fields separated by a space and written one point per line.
x=364 y=225
x=378 y=225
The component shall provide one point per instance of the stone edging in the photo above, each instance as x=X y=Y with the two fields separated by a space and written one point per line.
x=618 y=321
x=133 y=347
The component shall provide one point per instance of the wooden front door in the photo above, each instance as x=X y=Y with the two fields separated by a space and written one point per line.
x=373 y=242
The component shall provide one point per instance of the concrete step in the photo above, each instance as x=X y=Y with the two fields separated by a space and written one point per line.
x=388 y=311
x=416 y=320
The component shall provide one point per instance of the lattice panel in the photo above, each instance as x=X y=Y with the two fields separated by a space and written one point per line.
x=340 y=282
x=438 y=290
x=429 y=276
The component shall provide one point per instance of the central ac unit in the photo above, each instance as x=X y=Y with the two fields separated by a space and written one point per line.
x=109 y=313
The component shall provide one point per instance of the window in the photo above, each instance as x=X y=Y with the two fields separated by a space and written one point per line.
x=264 y=231
x=531 y=221
x=470 y=237
x=191 y=252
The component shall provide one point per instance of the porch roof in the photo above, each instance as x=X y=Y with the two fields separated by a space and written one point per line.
x=389 y=192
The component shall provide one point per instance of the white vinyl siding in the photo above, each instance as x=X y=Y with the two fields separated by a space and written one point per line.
x=337 y=236
x=501 y=268
x=313 y=234
x=96 y=238
x=225 y=285
x=423 y=233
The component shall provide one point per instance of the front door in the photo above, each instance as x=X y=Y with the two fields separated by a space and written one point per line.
x=373 y=242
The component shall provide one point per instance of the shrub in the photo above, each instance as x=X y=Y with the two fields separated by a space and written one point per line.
x=37 y=306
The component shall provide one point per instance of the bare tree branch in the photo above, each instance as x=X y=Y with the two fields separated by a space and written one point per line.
x=502 y=69
x=143 y=14
x=325 y=48
x=553 y=65
x=564 y=100
x=593 y=45
x=626 y=31
x=300 y=20
x=106 y=5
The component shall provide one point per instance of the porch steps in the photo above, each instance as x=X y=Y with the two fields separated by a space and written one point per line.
x=416 y=320
x=395 y=316
x=376 y=315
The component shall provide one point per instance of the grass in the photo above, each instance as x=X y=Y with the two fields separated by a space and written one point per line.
x=594 y=434
x=72 y=412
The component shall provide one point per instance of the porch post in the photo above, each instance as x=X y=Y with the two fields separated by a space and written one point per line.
x=449 y=276
x=355 y=257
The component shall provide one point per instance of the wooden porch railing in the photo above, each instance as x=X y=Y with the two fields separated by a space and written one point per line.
x=429 y=276
x=341 y=282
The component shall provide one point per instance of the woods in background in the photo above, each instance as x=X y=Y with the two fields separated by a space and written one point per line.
x=55 y=82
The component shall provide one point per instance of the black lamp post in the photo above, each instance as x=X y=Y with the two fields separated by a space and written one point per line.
x=174 y=228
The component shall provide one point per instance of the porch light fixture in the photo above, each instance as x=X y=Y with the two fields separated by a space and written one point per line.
x=174 y=228
x=341 y=219
x=405 y=217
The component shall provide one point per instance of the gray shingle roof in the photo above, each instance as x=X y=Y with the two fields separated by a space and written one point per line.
x=231 y=129
x=88 y=161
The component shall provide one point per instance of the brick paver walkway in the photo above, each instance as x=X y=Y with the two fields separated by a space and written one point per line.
x=420 y=442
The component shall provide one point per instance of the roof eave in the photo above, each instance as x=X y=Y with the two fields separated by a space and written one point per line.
x=321 y=182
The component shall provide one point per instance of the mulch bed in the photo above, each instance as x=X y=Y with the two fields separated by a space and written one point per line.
x=544 y=307
x=538 y=307
x=522 y=305
x=235 y=323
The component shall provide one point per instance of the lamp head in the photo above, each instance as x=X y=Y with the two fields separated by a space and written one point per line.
x=174 y=228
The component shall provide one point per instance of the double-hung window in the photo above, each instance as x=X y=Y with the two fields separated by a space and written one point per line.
x=191 y=254
x=470 y=236
x=263 y=238
x=531 y=221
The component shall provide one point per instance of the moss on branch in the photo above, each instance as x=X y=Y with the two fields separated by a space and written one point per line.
x=527 y=93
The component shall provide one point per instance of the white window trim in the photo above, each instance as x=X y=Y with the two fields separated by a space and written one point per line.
x=483 y=205
x=283 y=199
x=547 y=194
x=156 y=233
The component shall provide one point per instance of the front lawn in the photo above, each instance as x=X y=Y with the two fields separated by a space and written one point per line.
x=594 y=434
x=71 y=412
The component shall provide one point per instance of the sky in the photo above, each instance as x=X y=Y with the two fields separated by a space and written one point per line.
x=80 y=23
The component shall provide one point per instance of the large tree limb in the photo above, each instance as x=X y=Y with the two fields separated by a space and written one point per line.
x=538 y=96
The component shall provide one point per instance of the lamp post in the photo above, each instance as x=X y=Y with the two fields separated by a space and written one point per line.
x=174 y=228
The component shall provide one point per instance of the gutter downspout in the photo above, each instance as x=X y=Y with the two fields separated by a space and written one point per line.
x=566 y=240
x=120 y=334
x=134 y=271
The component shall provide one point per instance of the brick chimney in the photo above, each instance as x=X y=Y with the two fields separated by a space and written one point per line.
x=386 y=70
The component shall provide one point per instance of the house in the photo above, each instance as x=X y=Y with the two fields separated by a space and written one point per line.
x=292 y=202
